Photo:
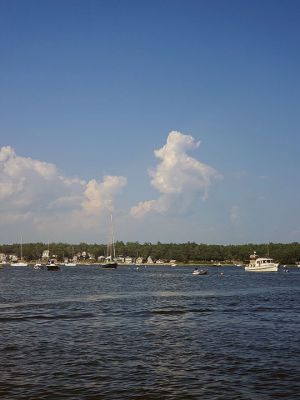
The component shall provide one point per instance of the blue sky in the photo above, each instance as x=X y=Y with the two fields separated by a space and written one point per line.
x=103 y=105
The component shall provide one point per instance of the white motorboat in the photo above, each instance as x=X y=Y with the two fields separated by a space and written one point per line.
x=261 y=264
x=19 y=264
x=52 y=265
x=200 y=271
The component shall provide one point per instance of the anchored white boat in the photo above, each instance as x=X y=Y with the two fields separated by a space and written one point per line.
x=260 y=264
x=110 y=260
x=20 y=262
x=200 y=271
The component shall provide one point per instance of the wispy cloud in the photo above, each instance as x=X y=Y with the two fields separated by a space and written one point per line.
x=178 y=177
x=36 y=192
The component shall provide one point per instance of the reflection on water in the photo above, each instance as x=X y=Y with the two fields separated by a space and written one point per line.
x=154 y=333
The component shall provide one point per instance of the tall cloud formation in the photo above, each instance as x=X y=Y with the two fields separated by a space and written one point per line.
x=178 y=177
x=35 y=191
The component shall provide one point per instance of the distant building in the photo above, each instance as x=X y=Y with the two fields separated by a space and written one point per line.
x=149 y=260
x=128 y=260
x=46 y=254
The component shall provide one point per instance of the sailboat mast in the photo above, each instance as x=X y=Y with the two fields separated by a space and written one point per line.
x=21 y=250
x=111 y=257
x=112 y=237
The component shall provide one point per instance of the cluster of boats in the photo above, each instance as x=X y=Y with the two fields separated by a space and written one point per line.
x=256 y=264
x=50 y=264
x=53 y=265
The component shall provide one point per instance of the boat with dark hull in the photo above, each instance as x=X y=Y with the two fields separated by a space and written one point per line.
x=52 y=266
x=110 y=265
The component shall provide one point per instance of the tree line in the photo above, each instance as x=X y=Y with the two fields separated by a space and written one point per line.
x=285 y=253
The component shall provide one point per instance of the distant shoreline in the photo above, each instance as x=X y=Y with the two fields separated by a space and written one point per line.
x=32 y=263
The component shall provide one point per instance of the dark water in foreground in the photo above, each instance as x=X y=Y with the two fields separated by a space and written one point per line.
x=154 y=333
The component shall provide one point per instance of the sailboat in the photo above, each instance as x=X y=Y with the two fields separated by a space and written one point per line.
x=20 y=263
x=110 y=260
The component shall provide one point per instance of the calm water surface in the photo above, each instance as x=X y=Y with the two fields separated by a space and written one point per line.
x=153 y=333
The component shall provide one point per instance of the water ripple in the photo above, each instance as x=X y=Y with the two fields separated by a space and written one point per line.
x=153 y=334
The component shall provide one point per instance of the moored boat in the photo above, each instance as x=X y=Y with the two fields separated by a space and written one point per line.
x=52 y=265
x=110 y=260
x=110 y=265
x=20 y=262
x=261 y=264
x=200 y=271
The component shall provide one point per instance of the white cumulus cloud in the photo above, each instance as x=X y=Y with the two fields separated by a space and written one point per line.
x=36 y=192
x=177 y=177
x=100 y=195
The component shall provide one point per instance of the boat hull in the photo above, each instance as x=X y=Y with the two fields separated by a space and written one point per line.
x=112 y=265
x=19 y=264
x=266 y=268
x=52 y=267
x=201 y=272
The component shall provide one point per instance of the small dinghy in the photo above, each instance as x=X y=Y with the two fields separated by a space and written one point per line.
x=200 y=271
